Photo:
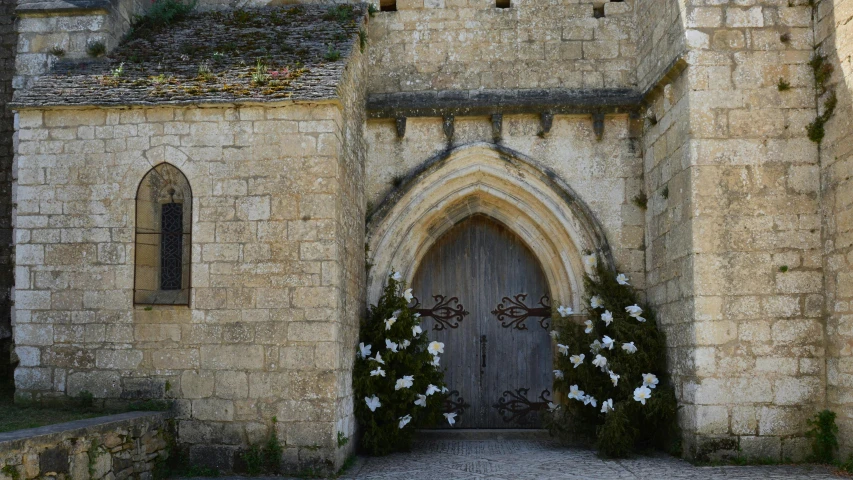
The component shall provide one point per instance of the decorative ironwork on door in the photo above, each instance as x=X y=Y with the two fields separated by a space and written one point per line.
x=516 y=312
x=445 y=315
x=514 y=406
x=455 y=405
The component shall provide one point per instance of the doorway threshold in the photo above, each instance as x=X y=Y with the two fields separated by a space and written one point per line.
x=482 y=434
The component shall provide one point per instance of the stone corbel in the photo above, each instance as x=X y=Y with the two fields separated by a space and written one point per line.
x=497 y=127
x=598 y=125
x=546 y=120
x=449 y=125
x=400 y=123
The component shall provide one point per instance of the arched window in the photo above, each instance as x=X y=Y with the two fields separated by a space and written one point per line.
x=163 y=242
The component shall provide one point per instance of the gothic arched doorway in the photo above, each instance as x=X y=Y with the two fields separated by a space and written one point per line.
x=471 y=286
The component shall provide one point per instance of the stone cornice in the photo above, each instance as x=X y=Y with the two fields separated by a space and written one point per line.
x=44 y=7
x=502 y=101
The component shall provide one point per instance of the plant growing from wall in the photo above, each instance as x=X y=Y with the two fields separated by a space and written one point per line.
x=822 y=71
x=396 y=378
x=612 y=369
x=824 y=435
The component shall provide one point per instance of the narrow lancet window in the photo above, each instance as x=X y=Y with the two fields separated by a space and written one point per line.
x=163 y=220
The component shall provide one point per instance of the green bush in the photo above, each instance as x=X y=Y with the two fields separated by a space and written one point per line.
x=161 y=14
x=391 y=325
x=628 y=425
x=824 y=435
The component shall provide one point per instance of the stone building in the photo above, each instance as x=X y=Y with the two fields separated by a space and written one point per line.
x=191 y=213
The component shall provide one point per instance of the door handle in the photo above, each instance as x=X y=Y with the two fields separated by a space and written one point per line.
x=483 y=343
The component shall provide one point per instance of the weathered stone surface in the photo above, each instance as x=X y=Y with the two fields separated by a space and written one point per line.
x=123 y=444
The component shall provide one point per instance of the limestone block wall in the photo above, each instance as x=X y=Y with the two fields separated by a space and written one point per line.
x=128 y=445
x=261 y=337
x=8 y=42
x=470 y=44
x=607 y=175
x=661 y=39
x=834 y=37
x=44 y=32
x=753 y=233
x=669 y=219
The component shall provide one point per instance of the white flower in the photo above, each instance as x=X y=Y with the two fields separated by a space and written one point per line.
x=634 y=310
x=421 y=401
x=396 y=276
x=558 y=374
x=444 y=390
x=607 y=342
x=373 y=403
x=600 y=362
x=432 y=389
x=451 y=417
x=595 y=302
x=629 y=347
x=553 y=407
x=564 y=349
x=390 y=322
x=614 y=378
x=595 y=346
x=591 y=261
x=554 y=334
x=436 y=361
x=621 y=279
x=565 y=311
x=650 y=380
x=405 y=421
x=404 y=382
x=417 y=315
x=640 y=319
x=364 y=350
x=607 y=317
x=574 y=393
x=590 y=400
x=577 y=360
x=607 y=406
x=389 y=345
x=407 y=295
x=405 y=344
x=378 y=372
x=588 y=328
x=435 y=348
x=641 y=394
x=378 y=358
x=417 y=330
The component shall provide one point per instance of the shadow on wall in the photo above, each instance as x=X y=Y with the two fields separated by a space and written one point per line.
x=832 y=37
x=8 y=45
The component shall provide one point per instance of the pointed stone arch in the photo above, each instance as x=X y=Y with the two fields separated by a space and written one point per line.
x=491 y=180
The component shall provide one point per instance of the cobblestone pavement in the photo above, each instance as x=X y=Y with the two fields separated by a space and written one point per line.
x=515 y=457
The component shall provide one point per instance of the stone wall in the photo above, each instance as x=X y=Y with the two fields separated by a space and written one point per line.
x=834 y=37
x=262 y=335
x=661 y=39
x=471 y=44
x=128 y=445
x=669 y=220
x=8 y=45
x=752 y=230
x=48 y=35
x=607 y=175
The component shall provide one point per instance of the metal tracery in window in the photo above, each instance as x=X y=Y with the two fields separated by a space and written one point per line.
x=171 y=246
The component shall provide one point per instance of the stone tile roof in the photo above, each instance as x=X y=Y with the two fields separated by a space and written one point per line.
x=214 y=57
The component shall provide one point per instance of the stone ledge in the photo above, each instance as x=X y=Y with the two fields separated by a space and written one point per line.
x=501 y=101
x=16 y=439
x=36 y=7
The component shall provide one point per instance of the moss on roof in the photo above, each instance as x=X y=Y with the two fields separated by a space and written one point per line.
x=246 y=55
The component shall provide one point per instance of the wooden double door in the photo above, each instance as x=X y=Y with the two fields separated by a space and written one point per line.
x=482 y=292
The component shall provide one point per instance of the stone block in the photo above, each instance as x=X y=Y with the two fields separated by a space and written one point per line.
x=215 y=410
x=197 y=384
x=764 y=448
x=100 y=384
x=232 y=357
x=232 y=385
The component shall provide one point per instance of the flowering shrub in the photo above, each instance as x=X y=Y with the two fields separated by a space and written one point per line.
x=613 y=370
x=396 y=378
